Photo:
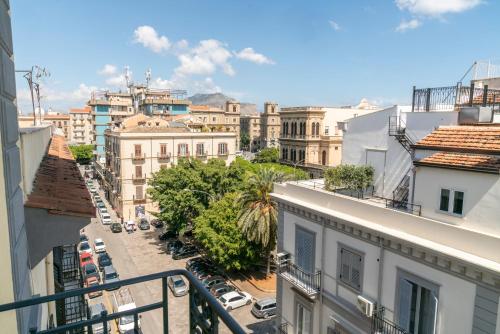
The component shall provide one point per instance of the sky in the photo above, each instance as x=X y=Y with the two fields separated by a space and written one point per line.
x=291 y=52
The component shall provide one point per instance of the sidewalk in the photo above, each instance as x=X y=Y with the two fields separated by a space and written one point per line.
x=258 y=287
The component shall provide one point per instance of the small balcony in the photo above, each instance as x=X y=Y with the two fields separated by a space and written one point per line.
x=205 y=312
x=139 y=178
x=202 y=154
x=138 y=157
x=309 y=283
x=163 y=156
x=223 y=154
x=183 y=155
x=137 y=200
x=380 y=325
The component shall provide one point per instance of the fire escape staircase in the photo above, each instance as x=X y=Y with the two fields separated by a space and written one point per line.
x=397 y=129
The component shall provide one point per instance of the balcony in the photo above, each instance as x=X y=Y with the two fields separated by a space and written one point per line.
x=309 y=283
x=139 y=178
x=138 y=157
x=183 y=155
x=202 y=155
x=137 y=200
x=205 y=312
x=163 y=156
x=380 y=325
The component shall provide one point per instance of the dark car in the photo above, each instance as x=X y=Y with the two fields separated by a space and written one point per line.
x=173 y=246
x=104 y=260
x=184 y=252
x=194 y=261
x=83 y=237
x=157 y=223
x=213 y=280
x=116 y=227
x=90 y=270
x=144 y=225
x=220 y=289
x=168 y=235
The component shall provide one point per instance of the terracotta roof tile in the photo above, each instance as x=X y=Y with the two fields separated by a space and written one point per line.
x=479 y=139
x=477 y=162
x=59 y=186
x=85 y=110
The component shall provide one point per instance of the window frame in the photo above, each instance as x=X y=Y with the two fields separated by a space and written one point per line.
x=348 y=284
x=451 y=201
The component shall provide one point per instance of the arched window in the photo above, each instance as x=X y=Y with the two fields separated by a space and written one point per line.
x=234 y=108
x=313 y=130
x=317 y=129
x=323 y=158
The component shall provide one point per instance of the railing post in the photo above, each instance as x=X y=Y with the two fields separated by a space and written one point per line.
x=104 y=316
x=164 y=288
x=413 y=100
x=457 y=94
x=428 y=99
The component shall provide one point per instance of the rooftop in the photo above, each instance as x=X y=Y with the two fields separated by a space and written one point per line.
x=464 y=161
x=85 y=110
x=59 y=186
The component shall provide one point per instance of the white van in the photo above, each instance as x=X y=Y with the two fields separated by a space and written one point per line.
x=105 y=218
x=123 y=301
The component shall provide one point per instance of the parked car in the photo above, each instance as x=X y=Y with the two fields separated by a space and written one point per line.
x=83 y=237
x=105 y=218
x=99 y=246
x=168 y=235
x=173 y=246
x=101 y=206
x=116 y=227
x=85 y=258
x=157 y=223
x=89 y=270
x=103 y=209
x=235 y=299
x=104 y=260
x=193 y=261
x=177 y=285
x=204 y=273
x=84 y=248
x=143 y=224
x=92 y=281
x=213 y=280
x=184 y=252
x=264 y=308
x=130 y=226
x=93 y=189
x=220 y=289
x=95 y=311
x=110 y=276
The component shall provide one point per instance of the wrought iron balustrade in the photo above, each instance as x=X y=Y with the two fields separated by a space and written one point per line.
x=380 y=325
x=205 y=311
x=283 y=328
x=300 y=278
x=415 y=209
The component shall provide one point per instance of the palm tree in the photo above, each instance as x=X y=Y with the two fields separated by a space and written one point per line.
x=259 y=215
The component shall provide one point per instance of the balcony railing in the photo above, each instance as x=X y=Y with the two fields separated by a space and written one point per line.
x=138 y=157
x=205 y=312
x=308 y=282
x=163 y=156
x=453 y=97
x=202 y=154
x=139 y=178
x=137 y=200
x=414 y=209
x=222 y=154
x=380 y=325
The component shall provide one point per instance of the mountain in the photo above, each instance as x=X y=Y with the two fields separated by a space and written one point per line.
x=219 y=100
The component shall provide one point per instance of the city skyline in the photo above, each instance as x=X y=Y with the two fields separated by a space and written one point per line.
x=331 y=53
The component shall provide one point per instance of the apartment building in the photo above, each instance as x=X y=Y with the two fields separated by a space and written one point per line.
x=160 y=102
x=311 y=138
x=81 y=129
x=58 y=120
x=270 y=125
x=142 y=145
x=369 y=264
x=251 y=126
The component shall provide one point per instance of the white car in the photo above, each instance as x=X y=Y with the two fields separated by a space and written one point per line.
x=235 y=299
x=99 y=246
x=84 y=248
x=105 y=217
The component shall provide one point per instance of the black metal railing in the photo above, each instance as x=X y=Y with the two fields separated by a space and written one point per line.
x=283 y=328
x=308 y=282
x=402 y=190
x=454 y=97
x=408 y=207
x=380 y=325
x=204 y=309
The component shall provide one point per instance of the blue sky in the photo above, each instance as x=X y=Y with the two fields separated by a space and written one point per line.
x=291 y=52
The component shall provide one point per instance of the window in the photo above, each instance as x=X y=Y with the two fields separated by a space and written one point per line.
x=327 y=130
x=317 y=129
x=138 y=171
x=163 y=149
x=313 y=129
x=200 y=149
x=457 y=205
x=304 y=249
x=350 y=269
x=235 y=109
x=417 y=304
x=138 y=192
x=213 y=119
x=222 y=148
x=137 y=150
x=303 y=320
x=183 y=150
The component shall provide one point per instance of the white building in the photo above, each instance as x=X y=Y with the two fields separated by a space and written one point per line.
x=81 y=128
x=352 y=265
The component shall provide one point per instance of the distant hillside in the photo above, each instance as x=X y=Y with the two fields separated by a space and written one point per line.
x=219 y=100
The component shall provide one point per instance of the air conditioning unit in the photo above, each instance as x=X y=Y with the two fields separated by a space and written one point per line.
x=366 y=306
x=282 y=258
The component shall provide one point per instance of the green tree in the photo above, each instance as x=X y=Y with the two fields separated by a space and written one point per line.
x=216 y=229
x=267 y=155
x=251 y=168
x=258 y=215
x=351 y=177
x=245 y=140
x=83 y=153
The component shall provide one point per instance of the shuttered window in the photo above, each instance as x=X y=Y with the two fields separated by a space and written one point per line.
x=138 y=171
x=304 y=249
x=163 y=149
x=139 y=193
x=137 y=150
x=351 y=268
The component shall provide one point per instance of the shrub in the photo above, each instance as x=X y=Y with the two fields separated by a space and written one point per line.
x=351 y=177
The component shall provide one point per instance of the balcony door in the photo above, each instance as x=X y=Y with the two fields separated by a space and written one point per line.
x=303 y=320
x=304 y=249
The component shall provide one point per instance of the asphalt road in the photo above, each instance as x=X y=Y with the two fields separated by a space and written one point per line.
x=141 y=253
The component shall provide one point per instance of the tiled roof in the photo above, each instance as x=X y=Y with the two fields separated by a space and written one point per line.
x=479 y=162
x=56 y=117
x=59 y=186
x=85 y=110
x=474 y=139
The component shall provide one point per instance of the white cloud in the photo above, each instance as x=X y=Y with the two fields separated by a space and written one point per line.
x=250 y=55
x=108 y=69
x=435 y=8
x=335 y=26
x=408 y=25
x=117 y=81
x=182 y=44
x=149 y=38
x=205 y=58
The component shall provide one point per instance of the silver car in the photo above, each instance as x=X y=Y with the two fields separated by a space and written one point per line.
x=95 y=312
x=177 y=285
x=109 y=275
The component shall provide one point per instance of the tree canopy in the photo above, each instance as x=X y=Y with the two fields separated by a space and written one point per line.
x=83 y=153
x=351 y=177
x=245 y=140
x=267 y=155
x=217 y=231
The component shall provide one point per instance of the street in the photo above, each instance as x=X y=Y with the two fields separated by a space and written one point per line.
x=141 y=253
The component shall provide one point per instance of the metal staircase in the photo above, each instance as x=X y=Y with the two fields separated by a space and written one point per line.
x=402 y=191
x=397 y=129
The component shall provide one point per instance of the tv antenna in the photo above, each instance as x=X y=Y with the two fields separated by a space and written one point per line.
x=148 y=77
x=34 y=85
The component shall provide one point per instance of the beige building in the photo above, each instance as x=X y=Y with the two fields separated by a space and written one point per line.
x=142 y=145
x=270 y=125
x=81 y=129
x=59 y=120
x=311 y=137
x=251 y=125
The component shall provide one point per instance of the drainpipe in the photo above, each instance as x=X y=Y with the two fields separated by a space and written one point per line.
x=380 y=271
x=323 y=236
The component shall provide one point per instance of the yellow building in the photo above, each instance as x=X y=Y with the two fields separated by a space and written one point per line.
x=81 y=132
x=251 y=125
